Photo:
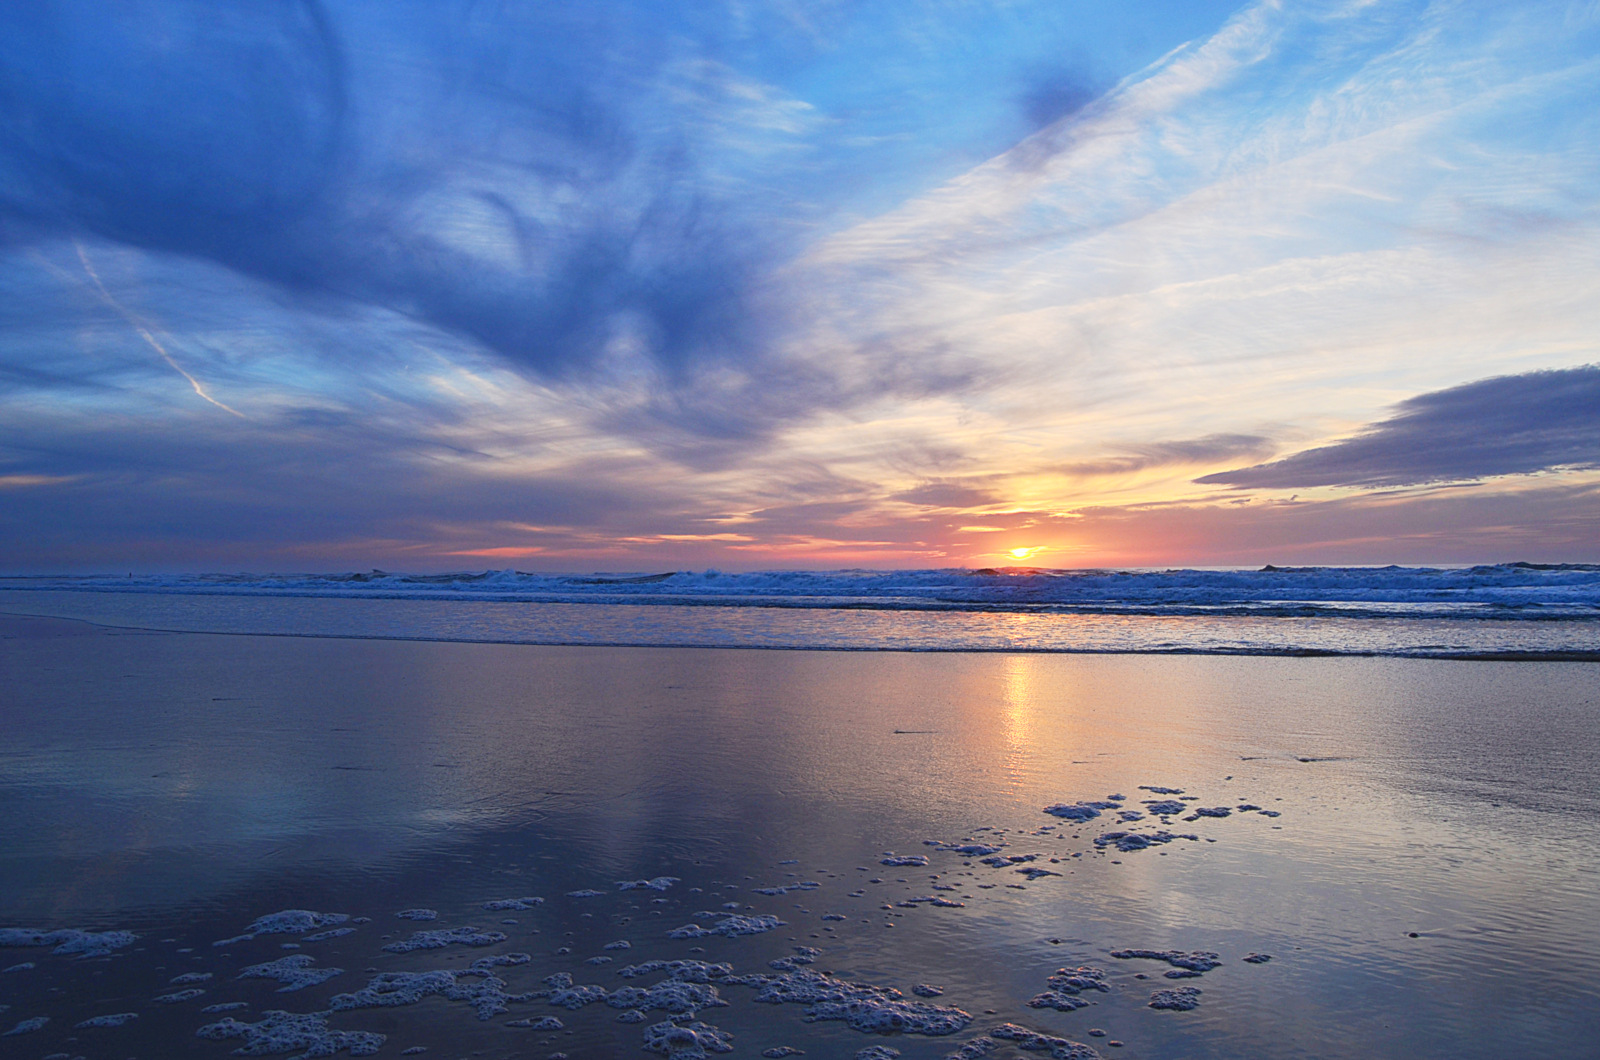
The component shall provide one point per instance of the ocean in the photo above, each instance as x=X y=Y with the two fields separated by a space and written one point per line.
x=1509 y=610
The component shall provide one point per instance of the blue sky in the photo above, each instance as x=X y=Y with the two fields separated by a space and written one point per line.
x=631 y=285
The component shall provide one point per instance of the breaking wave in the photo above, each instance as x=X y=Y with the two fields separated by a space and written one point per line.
x=1504 y=591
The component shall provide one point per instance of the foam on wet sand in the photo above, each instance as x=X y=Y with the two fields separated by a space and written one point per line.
x=1177 y=999
x=1036 y=1042
x=69 y=941
x=691 y=1041
x=434 y=940
x=284 y=1032
x=863 y=1006
x=477 y=986
x=117 y=1019
x=286 y=922
x=294 y=972
x=729 y=927
x=503 y=905
x=1197 y=961
x=684 y=989
x=1066 y=984
x=27 y=1026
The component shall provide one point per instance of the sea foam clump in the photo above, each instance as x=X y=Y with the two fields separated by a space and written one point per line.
x=782 y=889
x=1128 y=842
x=284 y=1032
x=729 y=927
x=692 y=1041
x=1064 y=986
x=1034 y=1042
x=27 y=1026
x=1164 y=807
x=542 y=1023
x=181 y=996
x=1080 y=811
x=671 y=995
x=294 y=972
x=944 y=903
x=682 y=971
x=903 y=861
x=114 y=1020
x=387 y=989
x=287 y=922
x=503 y=905
x=966 y=848
x=418 y=914
x=1178 y=999
x=874 y=1009
x=803 y=955
x=1197 y=961
x=433 y=940
x=486 y=995
x=658 y=883
x=563 y=992
x=68 y=941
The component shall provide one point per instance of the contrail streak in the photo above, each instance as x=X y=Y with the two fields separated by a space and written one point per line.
x=145 y=334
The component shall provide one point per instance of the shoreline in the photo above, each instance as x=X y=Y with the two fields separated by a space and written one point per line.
x=1555 y=656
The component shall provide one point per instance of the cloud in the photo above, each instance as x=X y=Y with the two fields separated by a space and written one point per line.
x=1543 y=522
x=517 y=184
x=1050 y=99
x=1507 y=425
x=949 y=495
x=1210 y=449
x=646 y=275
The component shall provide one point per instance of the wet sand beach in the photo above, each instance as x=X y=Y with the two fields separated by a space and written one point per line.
x=925 y=852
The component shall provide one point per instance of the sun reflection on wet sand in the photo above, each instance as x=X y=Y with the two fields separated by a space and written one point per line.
x=232 y=776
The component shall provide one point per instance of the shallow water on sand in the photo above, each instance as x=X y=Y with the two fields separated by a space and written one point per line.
x=838 y=628
x=1429 y=887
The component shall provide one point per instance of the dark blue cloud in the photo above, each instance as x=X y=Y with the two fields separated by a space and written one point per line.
x=304 y=482
x=1508 y=425
x=337 y=151
x=1057 y=96
x=548 y=180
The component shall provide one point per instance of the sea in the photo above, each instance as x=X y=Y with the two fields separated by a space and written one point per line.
x=1501 y=610
x=1287 y=812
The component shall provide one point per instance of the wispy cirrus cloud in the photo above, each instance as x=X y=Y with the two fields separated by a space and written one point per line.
x=1209 y=449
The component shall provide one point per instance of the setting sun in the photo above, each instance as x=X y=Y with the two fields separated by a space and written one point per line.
x=1026 y=553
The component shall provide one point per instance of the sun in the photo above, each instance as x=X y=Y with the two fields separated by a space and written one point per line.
x=1026 y=553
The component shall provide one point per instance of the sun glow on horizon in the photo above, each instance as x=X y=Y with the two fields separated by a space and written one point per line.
x=1026 y=553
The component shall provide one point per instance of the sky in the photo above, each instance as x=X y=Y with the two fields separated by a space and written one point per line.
x=755 y=284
